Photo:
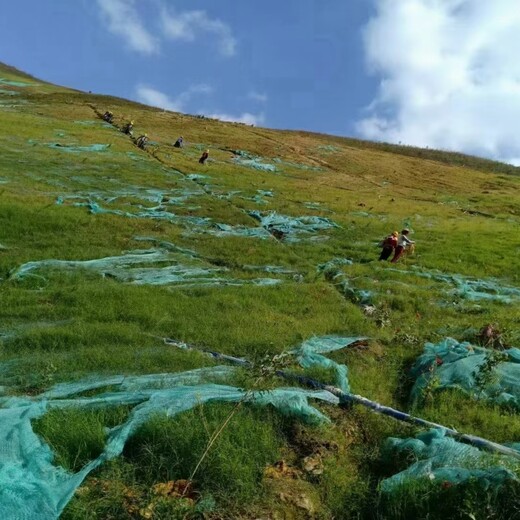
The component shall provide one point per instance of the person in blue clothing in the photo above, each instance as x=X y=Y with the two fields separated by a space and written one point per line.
x=179 y=143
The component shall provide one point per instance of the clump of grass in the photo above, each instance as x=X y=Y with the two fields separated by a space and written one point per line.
x=169 y=449
x=78 y=436
x=438 y=501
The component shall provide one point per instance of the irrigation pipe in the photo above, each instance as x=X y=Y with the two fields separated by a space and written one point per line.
x=344 y=397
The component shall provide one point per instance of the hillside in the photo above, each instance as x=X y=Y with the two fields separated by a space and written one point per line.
x=121 y=267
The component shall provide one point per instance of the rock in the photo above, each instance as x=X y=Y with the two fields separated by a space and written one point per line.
x=281 y=469
x=313 y=465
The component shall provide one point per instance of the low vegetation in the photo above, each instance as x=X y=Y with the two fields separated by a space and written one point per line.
x=60 y=325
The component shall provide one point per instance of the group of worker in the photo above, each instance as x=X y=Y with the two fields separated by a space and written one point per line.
x=142 y=140
x=396 y=243
x=180 y=144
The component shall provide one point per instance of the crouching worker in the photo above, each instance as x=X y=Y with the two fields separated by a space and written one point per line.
x=127 y=129
x=402 y=243
x=141 y=141
x=179 y=143
x=108 y=117
x=388 y=244
x=204 y=157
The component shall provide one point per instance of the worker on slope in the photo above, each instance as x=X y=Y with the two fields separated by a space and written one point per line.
x=127 y=129
x=388 y=244
x=179 y=143
x=108 y=117
x=141 y=141
x=204 y=157
x=402 y=243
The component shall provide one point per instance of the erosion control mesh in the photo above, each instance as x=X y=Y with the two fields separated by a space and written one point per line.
x=10 y=83
x=310 y=354
x=470 y=288
x=335 y=275
x=291 y=229
x=153 y=213
x=33 y=488
x=251 y=161
x=5 y=92
x=474 y=370
x=184 y=269
x=78 y=149
x=441 y=459
x=297 y=166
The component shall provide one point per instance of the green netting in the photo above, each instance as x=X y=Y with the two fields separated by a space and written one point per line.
x=297 y=166
x=458 y=365
x=193 y=224
x=11 y=103
x=252 y=161
x=328 y=148
x=184 y=269
x=313 y=205
x=333 y=273
x=128 y=194
x=79 y=149
x=309 y=354
x=155 y=213
x=94 y=122
x=291 y=228
x=11 y=83
x=197 y=177
x=31 y=487
x=225 y=230
x=438 y=458
x=15 y=329
x=259 y=197
x=275 y=269
x=470 y=288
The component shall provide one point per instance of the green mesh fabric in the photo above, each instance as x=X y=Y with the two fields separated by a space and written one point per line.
x=458 y=365
x=32 y=488
x=439 y=459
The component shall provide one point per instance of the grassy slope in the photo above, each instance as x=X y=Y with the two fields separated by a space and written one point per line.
x=75 y=323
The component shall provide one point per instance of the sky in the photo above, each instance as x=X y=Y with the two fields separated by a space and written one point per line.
x=433 y=73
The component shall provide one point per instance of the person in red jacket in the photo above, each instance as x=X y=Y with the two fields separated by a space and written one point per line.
x=389 y=244
x=402 y=243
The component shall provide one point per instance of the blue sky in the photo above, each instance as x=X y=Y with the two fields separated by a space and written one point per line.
x=441 y=73
x=290 y=64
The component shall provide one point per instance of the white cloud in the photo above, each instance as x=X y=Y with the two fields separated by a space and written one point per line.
x=188 y=25
x=153 y=97
x=150 y=96
x=123 y=20
x=258 y=96
x=450 y=75
x=246 y=118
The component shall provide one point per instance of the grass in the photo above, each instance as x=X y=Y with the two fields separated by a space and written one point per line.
x=468 y=500
x=64 y=325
